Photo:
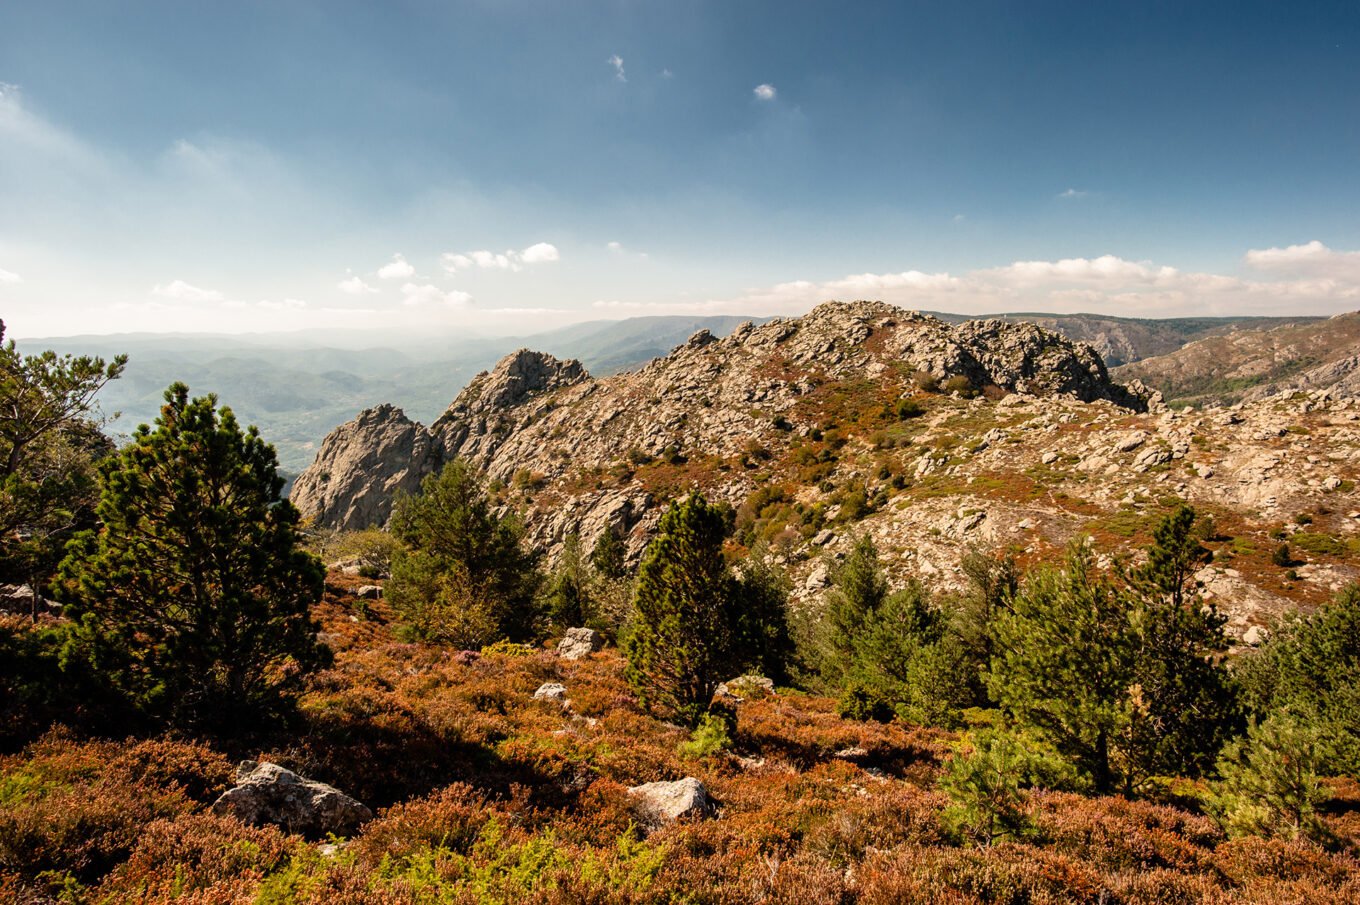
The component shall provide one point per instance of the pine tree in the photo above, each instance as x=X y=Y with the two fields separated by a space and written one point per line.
x=569 y=602
x=858 y=590
x=1270 y=784
x=466 y=576
x=681 y=642
x=1185 y=708
x=608 y=555
x=193 y=597
x=1066 y=660
x=1310 y=666
x=49 y=443
x=762 y=633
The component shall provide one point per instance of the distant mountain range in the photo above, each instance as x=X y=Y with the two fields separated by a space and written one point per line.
x=296 y=387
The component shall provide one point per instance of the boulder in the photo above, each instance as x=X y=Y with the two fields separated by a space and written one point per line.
x=579 y=643
x=269 y=794
x=660 y=803
x=750 y=686
x=368 y=592
x=551 y=691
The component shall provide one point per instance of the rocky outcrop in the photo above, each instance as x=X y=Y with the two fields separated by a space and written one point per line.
x=362 y=465
x=660 y=803
x=544 y=422
x=269 y=794
x=579 y=643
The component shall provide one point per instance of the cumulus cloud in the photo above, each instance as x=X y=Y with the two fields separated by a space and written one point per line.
x=425 y=295
x=540 y=253
x=282 y=304
x=614 y=246
x=764 y=92
x=617 y=62
x=1072 y=193
x=354 y=285
x=7 y=276
x=1309 y=278
x=396 y=269
x=185 y=292
x=1310 y=259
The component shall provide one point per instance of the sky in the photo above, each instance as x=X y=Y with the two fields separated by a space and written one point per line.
x=509 y=166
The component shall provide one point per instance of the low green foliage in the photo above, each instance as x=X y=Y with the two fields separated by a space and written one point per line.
x=710 y=737
x=986 y=780
x=1270 y=784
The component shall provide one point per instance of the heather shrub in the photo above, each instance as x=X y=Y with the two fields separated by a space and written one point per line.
x=196 y=853
x=73 y=809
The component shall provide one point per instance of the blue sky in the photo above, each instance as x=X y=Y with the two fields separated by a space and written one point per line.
x=510 y=166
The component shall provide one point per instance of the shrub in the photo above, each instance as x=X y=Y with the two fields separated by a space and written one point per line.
x=710 y=737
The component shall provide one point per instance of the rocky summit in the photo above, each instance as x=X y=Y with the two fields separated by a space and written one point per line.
x=533 y=413
x=865 y=418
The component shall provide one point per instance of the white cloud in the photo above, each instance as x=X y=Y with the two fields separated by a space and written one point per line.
x=354 y=285
x=184 y=292
x=540 y=253
x=1310 y=259
x=1073 y=193
x=617 y=62
x=396 y=269
x=614 y=246
x=1317 y=281
x=10 y=277
x=1106 y=268
x=282 y=305
x=764 y=92
x=490 y=261
x=414 y=296
x=667 y=74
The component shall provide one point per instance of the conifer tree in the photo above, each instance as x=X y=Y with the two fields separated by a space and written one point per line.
x=193 y=597
x=49 y=441
x=1310 y=666
x=1185 y=708
x=892 y=653
x=466 y=576
x=682 y=643
x=761 y=612
x=1067 y=653
x=607 y=557
x=569 y=602
x=1270 y=784
x=858 y=590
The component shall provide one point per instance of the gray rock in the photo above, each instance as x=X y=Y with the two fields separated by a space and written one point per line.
x=368 y=592
x=269 y=794
x=579 y=643
x=746 y=687
x=551 y=691
x=660 y=803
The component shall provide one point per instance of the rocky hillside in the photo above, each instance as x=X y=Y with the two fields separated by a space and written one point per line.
x=1253 y=363
x=861 y=418
x=540 y=419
